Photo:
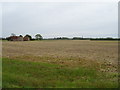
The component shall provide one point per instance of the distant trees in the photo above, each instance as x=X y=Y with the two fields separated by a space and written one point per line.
x=108 y=38
x=80 y=38
x=8 y=38
x=38 y=37
x=29 y=36
x=20 y=36
x=61 y=38
x=77 y=38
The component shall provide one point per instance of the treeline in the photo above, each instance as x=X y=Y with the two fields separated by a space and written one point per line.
x=105 y=38
x=39 y=37
x=66 y=38
x=81 y=38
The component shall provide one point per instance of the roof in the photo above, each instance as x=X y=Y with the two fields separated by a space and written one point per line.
x=14 y=37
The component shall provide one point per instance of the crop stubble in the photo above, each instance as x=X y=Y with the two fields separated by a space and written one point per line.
x=65 y=52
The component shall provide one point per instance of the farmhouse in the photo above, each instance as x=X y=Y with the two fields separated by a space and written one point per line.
x=26 y=38
x=19 y=38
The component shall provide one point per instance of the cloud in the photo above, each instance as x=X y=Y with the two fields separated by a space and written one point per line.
x=60 y=19
x=59 y=0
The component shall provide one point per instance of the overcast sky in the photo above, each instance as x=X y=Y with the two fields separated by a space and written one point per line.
x=87 y=19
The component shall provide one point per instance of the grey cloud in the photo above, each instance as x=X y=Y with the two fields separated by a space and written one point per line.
x=60 y=19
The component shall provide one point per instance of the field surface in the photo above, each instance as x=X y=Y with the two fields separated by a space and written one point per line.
x=60 y=63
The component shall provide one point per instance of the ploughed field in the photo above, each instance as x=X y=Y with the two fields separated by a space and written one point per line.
x=60 y=63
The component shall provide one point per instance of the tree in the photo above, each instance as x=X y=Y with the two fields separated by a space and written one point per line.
x=38 y=37
x=8 y=38
x=20 y=36
x=29 y=36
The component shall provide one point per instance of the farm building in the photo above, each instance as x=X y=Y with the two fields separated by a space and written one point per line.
x=18 y=38
x=26 y=38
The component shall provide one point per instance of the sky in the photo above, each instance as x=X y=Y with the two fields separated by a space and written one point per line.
x=60 y=19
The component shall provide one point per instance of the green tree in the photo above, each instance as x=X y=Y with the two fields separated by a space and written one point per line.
x=20 y=36
x=38 y=37
x=29 y=36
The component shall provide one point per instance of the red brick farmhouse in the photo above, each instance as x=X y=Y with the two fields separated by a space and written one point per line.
x=19 y=38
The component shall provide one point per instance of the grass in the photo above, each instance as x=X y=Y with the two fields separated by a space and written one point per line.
x=60 y=64
x=26 y=74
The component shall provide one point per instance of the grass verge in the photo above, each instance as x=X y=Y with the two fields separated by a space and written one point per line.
x=25 y=74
